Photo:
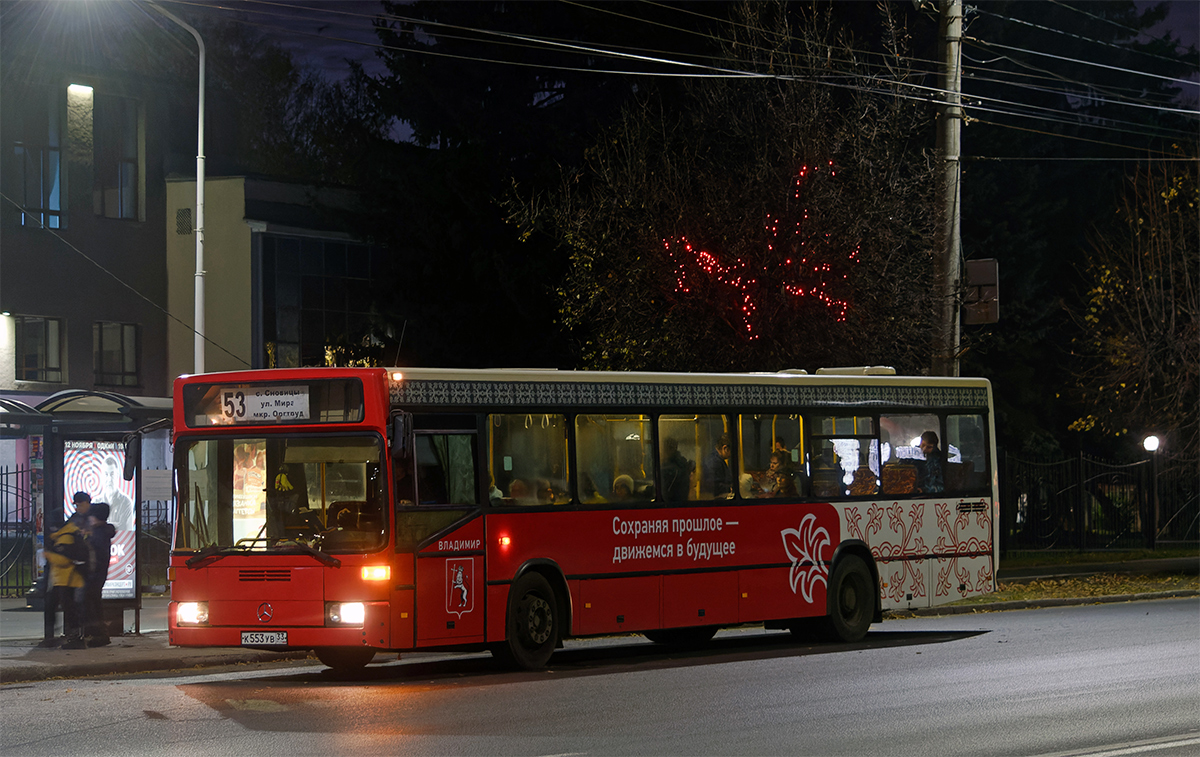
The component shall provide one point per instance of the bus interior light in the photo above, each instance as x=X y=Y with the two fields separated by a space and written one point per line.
x=192 y=613
x=376 y=572
x=346 y=613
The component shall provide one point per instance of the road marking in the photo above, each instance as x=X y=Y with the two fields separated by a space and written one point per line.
x=1134 y=747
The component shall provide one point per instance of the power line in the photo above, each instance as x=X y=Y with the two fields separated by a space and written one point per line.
x=714 y=71
x=1123 y=48
x=1173 y=79
x=118 y=279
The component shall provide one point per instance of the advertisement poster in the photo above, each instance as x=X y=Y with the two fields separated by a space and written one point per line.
x=96 y=468
x=249 y=491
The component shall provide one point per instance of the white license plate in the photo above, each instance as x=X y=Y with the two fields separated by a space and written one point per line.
x=264 y=638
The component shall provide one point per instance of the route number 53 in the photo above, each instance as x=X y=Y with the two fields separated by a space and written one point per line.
x=233 y=406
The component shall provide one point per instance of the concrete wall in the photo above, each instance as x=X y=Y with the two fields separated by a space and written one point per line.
x=228 y=284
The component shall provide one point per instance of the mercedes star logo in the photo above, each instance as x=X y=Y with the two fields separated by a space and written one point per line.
x=265 y=612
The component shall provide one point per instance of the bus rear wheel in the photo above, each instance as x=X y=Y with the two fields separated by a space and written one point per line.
x=851 y=600
x=682 y=637
x=532 y=631
x=345 y=659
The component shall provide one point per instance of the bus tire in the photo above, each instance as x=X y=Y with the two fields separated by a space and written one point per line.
x=682 y=637
x=532 y=631
x=851 y=600
x=345 y=659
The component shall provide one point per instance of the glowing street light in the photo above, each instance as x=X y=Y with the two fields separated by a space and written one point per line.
x=1151 y=444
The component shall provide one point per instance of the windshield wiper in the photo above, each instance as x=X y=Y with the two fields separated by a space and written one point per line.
x=214 y=551
x=325 y=559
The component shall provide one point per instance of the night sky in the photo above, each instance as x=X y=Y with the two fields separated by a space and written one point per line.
x=324 y=34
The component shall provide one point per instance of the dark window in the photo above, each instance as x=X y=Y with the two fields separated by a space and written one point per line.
x=37 y=159
x=39 y=349
x=115 y=353
x=316 y=294
x=116 y=154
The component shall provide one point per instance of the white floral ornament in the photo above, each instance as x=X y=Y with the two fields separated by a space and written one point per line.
x=804 y=546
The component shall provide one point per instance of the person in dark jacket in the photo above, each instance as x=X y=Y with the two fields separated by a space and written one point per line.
x=100 y=536
x=676 y=472
x=718 y=479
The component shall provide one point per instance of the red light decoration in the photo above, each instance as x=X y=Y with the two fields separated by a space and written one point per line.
x=799 y=279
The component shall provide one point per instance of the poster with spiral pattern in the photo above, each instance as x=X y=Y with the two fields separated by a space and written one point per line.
x=96 y=467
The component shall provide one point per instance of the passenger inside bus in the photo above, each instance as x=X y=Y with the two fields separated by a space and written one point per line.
x=718 y=480
x=931 y=481
x=677 y=472
x=623 y=488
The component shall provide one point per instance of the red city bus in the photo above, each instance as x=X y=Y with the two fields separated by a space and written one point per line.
x=354 y=511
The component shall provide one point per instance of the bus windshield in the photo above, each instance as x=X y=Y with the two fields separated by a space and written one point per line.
x=275 y=493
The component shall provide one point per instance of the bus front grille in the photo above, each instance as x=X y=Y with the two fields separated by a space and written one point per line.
x=265 y=574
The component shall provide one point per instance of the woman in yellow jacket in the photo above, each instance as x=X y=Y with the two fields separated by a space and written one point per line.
x=66 y=555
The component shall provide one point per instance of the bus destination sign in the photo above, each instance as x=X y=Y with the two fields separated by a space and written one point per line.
x=251 y=404
x=262 y=404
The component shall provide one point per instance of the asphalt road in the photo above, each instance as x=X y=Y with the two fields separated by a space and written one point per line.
x=1103 y=679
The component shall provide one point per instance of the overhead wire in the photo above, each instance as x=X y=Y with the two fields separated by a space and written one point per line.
x=1016 y=108
x=120 y=280
x=1122 y=48
x=1129 y=29
x=1172 y=79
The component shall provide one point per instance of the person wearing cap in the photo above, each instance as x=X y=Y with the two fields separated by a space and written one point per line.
x=99 y=540
x=66 y=551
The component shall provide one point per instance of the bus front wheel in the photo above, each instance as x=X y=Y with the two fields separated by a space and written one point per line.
x=531 y=632
x=345 y=659
x=851 y=600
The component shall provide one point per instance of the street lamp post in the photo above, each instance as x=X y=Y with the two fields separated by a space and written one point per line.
x=198 y=361
x=1151 y=444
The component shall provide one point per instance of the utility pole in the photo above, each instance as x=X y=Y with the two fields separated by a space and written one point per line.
x=198 y=222
x=947 y=266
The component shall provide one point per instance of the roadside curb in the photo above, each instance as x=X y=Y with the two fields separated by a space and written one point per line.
x=144 y=654
x=1030 y=604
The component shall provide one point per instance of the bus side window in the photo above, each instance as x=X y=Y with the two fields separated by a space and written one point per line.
x=903 y=461
x=845 y=456
x=772 y=451
x=966 y=454
x=445 y=469
x=527 y=459
x=691 y=442
x=614 y=455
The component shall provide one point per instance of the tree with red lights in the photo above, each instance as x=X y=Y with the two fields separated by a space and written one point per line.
x=781 y=220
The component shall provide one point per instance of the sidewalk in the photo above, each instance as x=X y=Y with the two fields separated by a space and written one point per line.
x=21 y=630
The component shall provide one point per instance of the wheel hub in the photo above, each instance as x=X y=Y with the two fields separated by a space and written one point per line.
x=539 y=620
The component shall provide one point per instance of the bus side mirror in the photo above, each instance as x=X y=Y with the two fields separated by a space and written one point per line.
x=133 y=455
x=401 y=440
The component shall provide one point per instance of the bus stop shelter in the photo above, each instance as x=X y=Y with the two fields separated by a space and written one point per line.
x=73 y=441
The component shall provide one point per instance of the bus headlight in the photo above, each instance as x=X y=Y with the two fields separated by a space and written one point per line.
x=192 y=613
x=345 y=613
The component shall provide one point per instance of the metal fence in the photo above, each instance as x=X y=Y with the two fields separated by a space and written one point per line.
x=18 y=531
x=17 y=528
x=1085 y=503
